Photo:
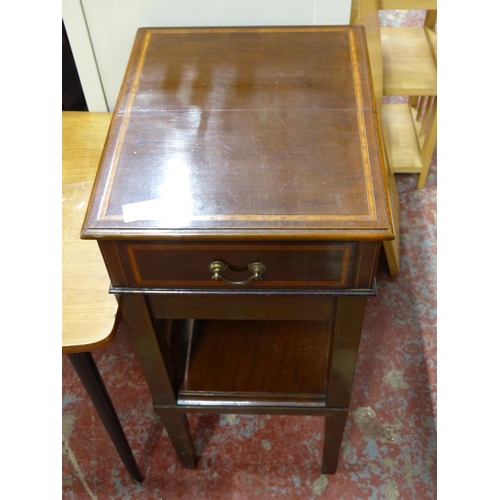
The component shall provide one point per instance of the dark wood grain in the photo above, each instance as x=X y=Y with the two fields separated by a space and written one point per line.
x=332 y=441
x=366 y=264
x=115 y=267
x=318 y=411
x=150 y=343
x=257 y=362
x=288 y=265
x=242 y=305
x=246 y=132
x=151 y=346
x=344 y=352
x=243 y=144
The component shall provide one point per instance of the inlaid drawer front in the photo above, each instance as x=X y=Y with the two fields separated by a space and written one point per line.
x=226 y=266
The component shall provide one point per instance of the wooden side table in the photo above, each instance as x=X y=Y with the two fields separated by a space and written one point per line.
x=242 y=185
x=90 y=314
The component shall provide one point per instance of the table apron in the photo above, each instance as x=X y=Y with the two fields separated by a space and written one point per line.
x=284 y=305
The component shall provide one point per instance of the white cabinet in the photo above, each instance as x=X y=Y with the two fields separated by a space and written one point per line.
x=101 y=32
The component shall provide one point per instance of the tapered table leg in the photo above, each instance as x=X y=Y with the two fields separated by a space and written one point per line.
x=346 y=334
x=334 y=431
x=86 y=369
x=154 y=355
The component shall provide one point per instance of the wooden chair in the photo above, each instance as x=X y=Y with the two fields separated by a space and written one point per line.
x=409 y=54
x=90 y=314
x=410 y=134
x=408 y=59
x=366 y=12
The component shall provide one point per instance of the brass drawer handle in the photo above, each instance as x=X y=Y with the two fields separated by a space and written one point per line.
x=256 y=268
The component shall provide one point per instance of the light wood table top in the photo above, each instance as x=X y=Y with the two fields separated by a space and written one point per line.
x=89 y=311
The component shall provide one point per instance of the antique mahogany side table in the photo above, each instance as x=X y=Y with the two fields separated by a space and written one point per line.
x=240 y=207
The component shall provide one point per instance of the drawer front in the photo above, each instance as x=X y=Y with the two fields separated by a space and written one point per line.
x=287 y=265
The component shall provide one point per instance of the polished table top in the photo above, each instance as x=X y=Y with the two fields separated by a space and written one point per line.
x=243 y=133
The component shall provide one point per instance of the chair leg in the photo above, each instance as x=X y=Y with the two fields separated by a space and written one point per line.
x=87 y=371
x=429 y=144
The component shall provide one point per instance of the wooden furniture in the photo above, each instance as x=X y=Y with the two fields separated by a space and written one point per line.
x=240 y=206
x=365 y=12
x=410 y=69
x=407 y=57
x=89 y=313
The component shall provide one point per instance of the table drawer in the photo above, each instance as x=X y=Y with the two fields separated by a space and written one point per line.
x=285 y=265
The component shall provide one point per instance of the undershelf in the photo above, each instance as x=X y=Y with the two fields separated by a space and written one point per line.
x=253 y=363
x=403 y=151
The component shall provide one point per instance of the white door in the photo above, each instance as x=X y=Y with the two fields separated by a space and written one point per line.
x=101 y=32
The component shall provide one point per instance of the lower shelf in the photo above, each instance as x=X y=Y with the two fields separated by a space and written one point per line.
x=399 y=132
x=408 y=56
x=252 y=363
x=410 y=133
